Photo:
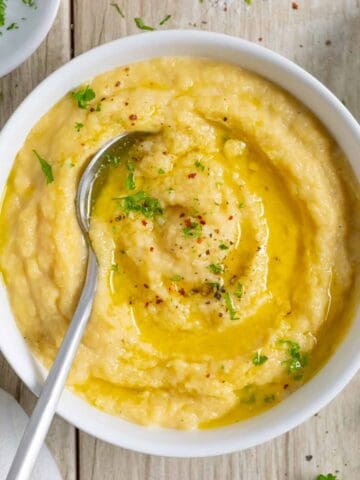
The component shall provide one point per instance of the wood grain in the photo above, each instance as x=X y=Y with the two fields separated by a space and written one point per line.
x=323 y=36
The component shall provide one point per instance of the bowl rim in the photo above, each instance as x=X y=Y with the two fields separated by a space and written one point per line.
x=344 y=362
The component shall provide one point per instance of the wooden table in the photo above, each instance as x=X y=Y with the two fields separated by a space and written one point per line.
x=323 y=36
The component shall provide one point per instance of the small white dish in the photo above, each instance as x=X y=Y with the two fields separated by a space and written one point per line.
x=299 y=406
x=25 y=28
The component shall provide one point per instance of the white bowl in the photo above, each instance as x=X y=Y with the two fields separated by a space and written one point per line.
x=33 y=25
x=300 y=405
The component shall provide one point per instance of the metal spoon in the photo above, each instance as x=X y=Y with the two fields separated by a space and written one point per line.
x=90 y=183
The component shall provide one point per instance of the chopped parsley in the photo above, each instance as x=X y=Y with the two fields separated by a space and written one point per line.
x=269 y=398
x=161 y=171
x=130 y=181
x=140 y=24
x=194 y=230
x=13 y=26
x=297 y=360
x=199 y=165
x=239 y=292
x=241 y=205
x=118 y=9
x=165 y=19
x=259 y=359
x=115 y=267
x=249 y=2
x=329 y=476
x=222 y=246
x=141 y=202
x=2 y=12
x=78 y=126
x=45 y=167
x=230 y=306
x=176 y=278
x=248 y=396
x=216 y=268
x=83 y=96
x=30 y=3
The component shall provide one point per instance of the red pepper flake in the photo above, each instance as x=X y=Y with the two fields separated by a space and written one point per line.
x=294 y=5
x=151 y=249
x=202 y=222
x=118 y=83
x=126 y=104
x=126 y=69
x=147 y=304
x=231 y=217
x=188 y=222
x=159 y=300
x=199 y=240
x=92 y=109
x=207 y=375
x=182 y=215
x=146 y=285
x=286 y=386
x=225 y=119
x=144 y=222
x=192 y=175
x=133 y=116
x=182 y=291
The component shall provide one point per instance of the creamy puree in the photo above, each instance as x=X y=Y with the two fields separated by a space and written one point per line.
x=227 y=243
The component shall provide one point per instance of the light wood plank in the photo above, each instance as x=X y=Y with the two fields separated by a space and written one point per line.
x=322 y=37
x=53 y=52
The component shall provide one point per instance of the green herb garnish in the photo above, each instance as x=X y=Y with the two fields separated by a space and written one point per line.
x=2 y=12
x=140 y=24
x=230 y=306
x=78 y=126
x=118 y=9
x=130 y=182
x=216 y=268
x=249 y=2
x=83 y=96
x=176 y=278
x=13 y=26
x=194 y=230
x=165 y=19
x=249 y=395
x=141 y=202
x=45 y=167
x=239 y=292
x=329 y=476
x=269 y=398
x=161 y=171
x=297 y=360
x=259 y=359
x=199 y=165
x=30 y=3
x=115 y=267
x=222 y=246
x=241 y=205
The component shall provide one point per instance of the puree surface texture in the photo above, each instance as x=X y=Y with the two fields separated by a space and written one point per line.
x=227 y=243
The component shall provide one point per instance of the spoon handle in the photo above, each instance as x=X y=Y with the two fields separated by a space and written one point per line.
x=44 y=410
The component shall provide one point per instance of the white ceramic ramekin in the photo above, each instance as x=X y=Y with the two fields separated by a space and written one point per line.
x=343 y=364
